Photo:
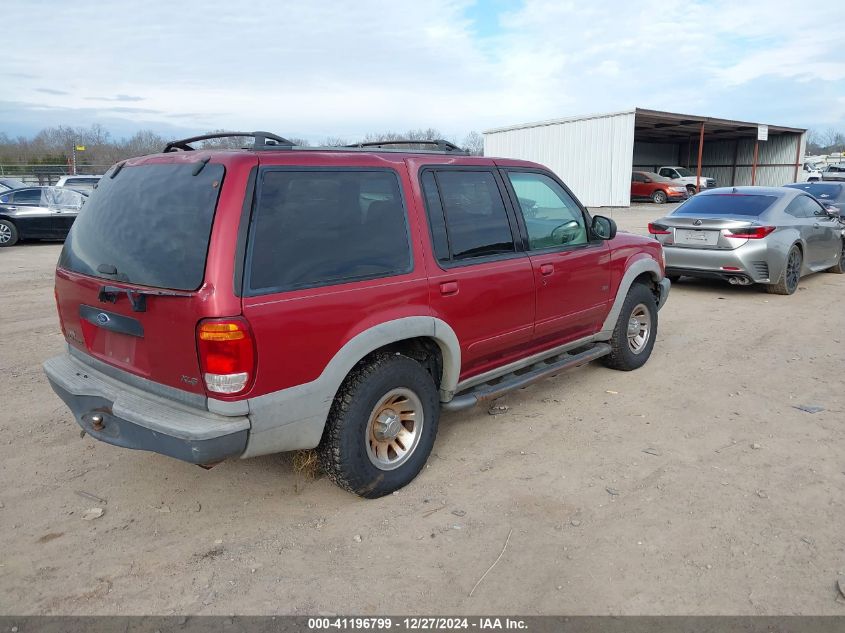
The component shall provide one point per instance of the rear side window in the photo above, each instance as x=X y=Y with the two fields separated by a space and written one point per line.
x=804 y=207
x=150 y=222
x=726 y=204
x=27 y=196
x=316 y=228
x=470 y=204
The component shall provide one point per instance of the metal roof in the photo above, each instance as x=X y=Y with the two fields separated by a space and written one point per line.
x=657 y=126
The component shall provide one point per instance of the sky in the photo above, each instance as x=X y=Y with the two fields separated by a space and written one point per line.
x=327 y=68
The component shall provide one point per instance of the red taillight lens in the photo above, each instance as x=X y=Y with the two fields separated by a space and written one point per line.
x=657 y=229
x=227 y=355
x=59 y=311
x=750 y=233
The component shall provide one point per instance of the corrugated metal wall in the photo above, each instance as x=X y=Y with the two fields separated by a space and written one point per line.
x=593 y=156
x=652 y=156
x=775 y=160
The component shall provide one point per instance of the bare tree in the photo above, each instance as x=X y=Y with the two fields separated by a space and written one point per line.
x=474 y=143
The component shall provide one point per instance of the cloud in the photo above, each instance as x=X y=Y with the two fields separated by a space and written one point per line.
x=345 y=69
x=115 y=98
x=51 y=91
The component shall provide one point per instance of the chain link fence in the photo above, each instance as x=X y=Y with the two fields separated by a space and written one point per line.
x=37 y=174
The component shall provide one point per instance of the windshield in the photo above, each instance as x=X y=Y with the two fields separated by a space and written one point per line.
x=725 y=205
x=149 y=225
x=683 y=172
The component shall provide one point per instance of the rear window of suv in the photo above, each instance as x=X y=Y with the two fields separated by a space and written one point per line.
x=726 y=204
x=149 y=222
x=321 y=227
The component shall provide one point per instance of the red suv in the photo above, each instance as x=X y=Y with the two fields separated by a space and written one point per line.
x=243 y=302
x=646 y=185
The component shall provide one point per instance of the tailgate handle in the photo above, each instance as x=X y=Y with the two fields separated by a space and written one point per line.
x=448 y=288
x=546 y=269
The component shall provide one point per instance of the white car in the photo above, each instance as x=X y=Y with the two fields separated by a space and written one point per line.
x=811 y=173
x=684 y=176
x=84 y=184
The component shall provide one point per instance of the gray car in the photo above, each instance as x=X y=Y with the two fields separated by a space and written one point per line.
x=745 y=235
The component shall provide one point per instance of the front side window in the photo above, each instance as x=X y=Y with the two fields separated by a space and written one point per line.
x=316 y=228
x=475 y=218
x=552 y=218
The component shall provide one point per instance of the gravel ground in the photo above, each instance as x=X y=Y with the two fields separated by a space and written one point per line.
x=690 y=486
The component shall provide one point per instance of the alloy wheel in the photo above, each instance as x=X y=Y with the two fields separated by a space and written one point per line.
x=394 y=428
x=5 y=234
x=639 y=328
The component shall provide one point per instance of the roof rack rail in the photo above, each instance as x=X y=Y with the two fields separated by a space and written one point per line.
x=439 y=144
x=263 y=140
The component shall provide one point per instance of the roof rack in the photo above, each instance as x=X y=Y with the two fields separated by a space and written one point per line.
x=263 y=140
x=437 y=144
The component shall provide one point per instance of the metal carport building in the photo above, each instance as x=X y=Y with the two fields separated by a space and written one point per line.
x=595 y=154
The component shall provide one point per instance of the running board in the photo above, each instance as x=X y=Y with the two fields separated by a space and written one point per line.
x=497 y=387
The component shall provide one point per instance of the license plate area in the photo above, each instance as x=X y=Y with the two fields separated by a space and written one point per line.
x=696 y=237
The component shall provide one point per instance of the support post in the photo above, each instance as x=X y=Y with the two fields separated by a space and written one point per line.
x=754 y=163
x=797 y=156
x=700 y=153
x=736 y=157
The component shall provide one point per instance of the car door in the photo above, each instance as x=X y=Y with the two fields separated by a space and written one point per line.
x=31 y=213
x=638 y=187
x=64 y=205
x=480 y=281
x=825 y=242
x=571 y=268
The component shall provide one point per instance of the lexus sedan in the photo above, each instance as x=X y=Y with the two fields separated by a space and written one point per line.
x=746 y=235
x=38 y=213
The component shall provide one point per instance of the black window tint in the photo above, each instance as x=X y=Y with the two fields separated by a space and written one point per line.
x=314 y=228
x=637 y=178
x=435 y=217
x=476 y=220
x=804 y=207
x=726 y=204
x=151 y=222
x=27 y=196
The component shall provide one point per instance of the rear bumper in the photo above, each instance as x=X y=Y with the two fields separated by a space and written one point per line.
x=750 y=260
x=120 y=414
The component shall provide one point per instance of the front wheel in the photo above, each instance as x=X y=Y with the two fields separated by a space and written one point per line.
x=635 y=331
x=788 y=282
x=691 y=191
x=659 y=197
x=381 y=427
x=8 y=233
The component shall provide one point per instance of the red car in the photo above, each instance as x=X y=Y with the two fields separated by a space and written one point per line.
x=646 y=185
x=243 y=302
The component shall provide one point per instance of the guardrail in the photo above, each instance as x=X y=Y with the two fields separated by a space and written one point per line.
x=36 y=174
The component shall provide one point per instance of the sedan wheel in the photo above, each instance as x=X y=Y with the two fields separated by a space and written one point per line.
x=659 y=197
x=788 y=282
x=8 y=233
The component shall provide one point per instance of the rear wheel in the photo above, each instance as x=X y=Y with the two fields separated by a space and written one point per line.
x=381 y=427
x=635 y=331
x=659 y=197
x=788 y=282
x=8 y=233
x=839 y=267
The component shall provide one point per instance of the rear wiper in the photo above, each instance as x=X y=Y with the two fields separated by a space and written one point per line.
x=138 y=298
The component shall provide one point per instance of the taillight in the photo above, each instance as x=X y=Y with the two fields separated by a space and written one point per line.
x=657 y=229
x=227 y=355
x=750 y=232
x=59 y=311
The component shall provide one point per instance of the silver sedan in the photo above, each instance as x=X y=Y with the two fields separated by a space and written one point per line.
x=744 y=235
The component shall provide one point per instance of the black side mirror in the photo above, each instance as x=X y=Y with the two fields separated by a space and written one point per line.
x=603 y=228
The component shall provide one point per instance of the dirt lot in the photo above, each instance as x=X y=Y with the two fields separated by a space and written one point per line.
x=691 y=486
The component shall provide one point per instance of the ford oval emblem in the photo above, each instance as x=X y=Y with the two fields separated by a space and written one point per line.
x=103 y=318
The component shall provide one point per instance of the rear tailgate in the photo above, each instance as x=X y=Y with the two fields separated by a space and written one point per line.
x=132 y=281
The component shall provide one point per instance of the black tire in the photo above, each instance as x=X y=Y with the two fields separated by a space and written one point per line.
x=839 y=268
x=8 y=233
x=622 y=356
x=673 y=278
x=788 y=282
x=659 y=197
x=344 y=447
x=691 y=190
